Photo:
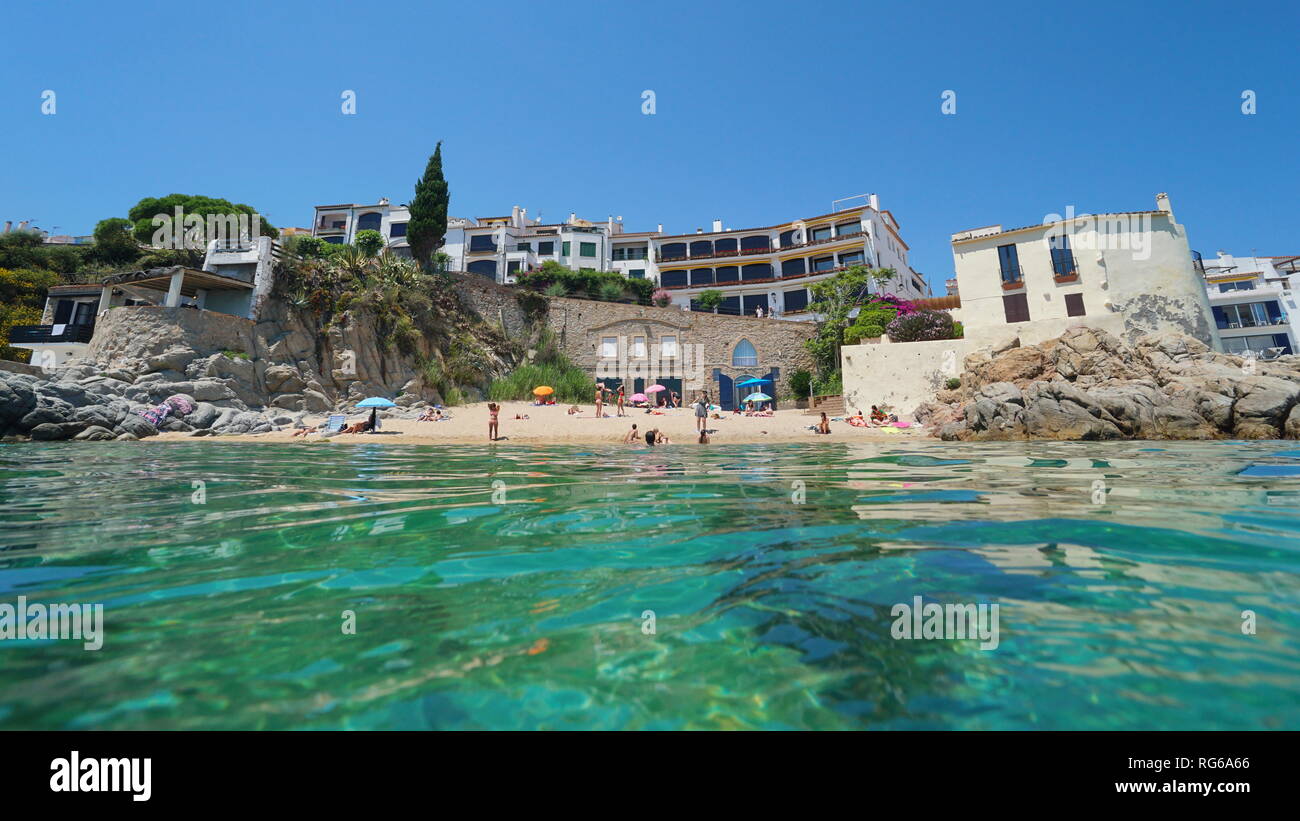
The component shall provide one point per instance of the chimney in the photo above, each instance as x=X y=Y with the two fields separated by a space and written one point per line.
x=8 y=224
x=23 y=224
x=717 y=226
x=573 y=217
x=875 y=202
x=699 y=230
x=660 y=229
x=514 y=216
x=383 y=200
x=1162 y=204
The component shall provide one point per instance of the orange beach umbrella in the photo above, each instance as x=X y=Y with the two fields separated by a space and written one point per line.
x=543 y=390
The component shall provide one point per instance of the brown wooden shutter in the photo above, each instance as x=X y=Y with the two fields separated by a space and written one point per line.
x=1074 y=305
x=1016 y=307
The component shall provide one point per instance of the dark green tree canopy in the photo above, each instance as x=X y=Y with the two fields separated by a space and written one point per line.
x=428 y=223
x=145 y=210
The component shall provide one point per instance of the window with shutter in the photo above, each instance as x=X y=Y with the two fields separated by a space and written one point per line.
x=1016 y=307
x=1074 y=305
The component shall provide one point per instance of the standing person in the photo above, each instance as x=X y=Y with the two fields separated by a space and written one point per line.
x=600 y=400
x=620 y=401
x=493 y=410
x=676 y=401
x=758 y=311
x=701 y=413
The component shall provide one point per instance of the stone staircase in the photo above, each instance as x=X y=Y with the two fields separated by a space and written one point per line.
x=831 y=405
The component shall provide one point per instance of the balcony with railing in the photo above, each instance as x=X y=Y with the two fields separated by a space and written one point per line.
x=766 y=250
x=1013 y=277
x=45 y=334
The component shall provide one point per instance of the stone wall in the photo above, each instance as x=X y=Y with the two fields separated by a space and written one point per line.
x=900 y=375
x=580 y=325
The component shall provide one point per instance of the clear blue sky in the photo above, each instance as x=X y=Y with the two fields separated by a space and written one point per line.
x=765 y=111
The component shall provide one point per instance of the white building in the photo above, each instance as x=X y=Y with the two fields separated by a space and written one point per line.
x=1130 y=273
x=339 y=224
x=768 y=267
x=235 y=279
x=1253 y=302
x=771 y=268
x=500 y=248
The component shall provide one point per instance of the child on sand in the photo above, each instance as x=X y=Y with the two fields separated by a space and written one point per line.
x=704 y=437
x=633 y=436
x=824 y=426
x=493 y=410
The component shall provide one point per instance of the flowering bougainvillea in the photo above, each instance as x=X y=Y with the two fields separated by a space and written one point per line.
x=920 y=326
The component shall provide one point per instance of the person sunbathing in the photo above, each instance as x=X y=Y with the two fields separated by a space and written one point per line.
x=430 y=415
x=877 y=416
x=305 y=431
x=358 y=427
x=572 y=410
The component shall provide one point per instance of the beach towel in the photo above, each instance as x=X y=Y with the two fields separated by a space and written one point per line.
x=175 y=404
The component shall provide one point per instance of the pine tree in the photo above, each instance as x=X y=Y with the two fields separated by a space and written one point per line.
x=428 y=223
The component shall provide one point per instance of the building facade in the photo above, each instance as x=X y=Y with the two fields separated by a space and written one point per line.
x=1130 y=273
x=1253 y=303
x=339 y=224
x=768 y=268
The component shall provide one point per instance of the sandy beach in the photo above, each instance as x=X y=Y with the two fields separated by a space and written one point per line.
x=551 y=424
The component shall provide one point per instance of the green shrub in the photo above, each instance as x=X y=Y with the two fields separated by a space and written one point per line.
x=801 y=383
x=921 y=326
x=952 y=384
x=710 y=299
x=829 y=384
x=370 y=242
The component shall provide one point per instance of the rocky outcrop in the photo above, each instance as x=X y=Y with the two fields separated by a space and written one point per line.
x=1088 y=384
x=235 y=375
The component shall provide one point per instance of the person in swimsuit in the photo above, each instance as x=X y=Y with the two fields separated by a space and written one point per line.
x=633 y=436
x=701 y=412
x=600 y=400
x=824 y=426
x=493 y=410
x=650 y=436
x=620 y=401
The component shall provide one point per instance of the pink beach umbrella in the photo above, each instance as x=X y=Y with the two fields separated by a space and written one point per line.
x=638 y=397
x=655 y=389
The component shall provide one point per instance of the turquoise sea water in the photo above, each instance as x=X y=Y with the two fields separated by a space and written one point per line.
x=506 y=588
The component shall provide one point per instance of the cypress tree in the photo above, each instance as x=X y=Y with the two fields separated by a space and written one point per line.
x=428 y=222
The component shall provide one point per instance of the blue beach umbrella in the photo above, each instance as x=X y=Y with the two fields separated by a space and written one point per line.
x=748 y=382
x=376 y=402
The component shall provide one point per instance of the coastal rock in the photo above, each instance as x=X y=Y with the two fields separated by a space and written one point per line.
x=1088 y=384
x=1263 y=403
x=95 y=433
x=47 y=432
x=1292 y=427
x=126 y=437
x=136 y=425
